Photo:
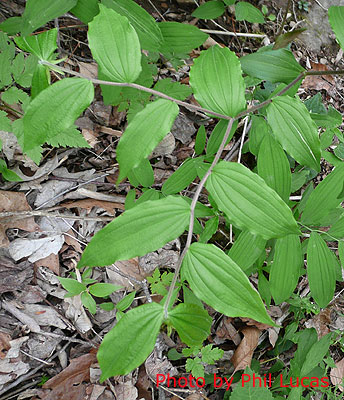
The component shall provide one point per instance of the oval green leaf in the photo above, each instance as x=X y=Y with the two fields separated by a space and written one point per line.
x=138 y=231
x=321 y=270
x=72 y=286
x=327 y=195
x=131 y=341
x=336 y=18
x=145 y=131
x=245 y=11
x=115 y=46
x=181 y=178
x=246 y=249
x=191 y=322
x=272 y=65
x=285 y=269
x=55 y=109
x=146 y=28
x=209 y=10
x=103 y=289
x=217 y=280
x=180 y=38
x=293 y=127
x=249 y=202
x=273 y=167
x=217 y=81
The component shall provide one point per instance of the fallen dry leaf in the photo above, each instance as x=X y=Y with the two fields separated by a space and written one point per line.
x=14 y=276
x=243 y=355
x=69 y=384
x=318 y=82
x=226 y=330
x=14 y=201
x=52 y=262
x=88 y=204
x=4 y=344
x=337 y=374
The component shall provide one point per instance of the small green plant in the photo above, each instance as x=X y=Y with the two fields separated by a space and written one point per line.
x=197 y=357
x=303 y=5
x=159 y=283
x=88 y=289
x=265 y=11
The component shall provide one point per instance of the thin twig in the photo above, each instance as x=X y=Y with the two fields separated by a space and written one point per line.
x=242 y=138
x=228 y=33
x=10 y=215
x=283 y=21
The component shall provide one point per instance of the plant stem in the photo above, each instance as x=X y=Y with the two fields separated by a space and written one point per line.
x=192 y=215
x=139 y=87
x=283 y=21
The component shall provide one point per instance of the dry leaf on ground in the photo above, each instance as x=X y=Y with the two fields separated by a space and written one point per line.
x=69 y=384
x=337 y=374
x=14 y=276
x=14 y=201
x=4 y=344
x=318 y=82
x=243 y=355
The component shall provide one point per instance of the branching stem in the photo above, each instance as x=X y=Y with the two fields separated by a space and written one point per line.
x=218 y=154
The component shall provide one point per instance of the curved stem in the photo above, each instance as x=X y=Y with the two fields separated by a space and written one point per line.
x=139 y=87
x=192 y=214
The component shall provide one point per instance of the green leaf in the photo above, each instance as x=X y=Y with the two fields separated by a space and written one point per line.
x=337 y=229
x=86 y=10
x=210 y=355
x=89 y=302
x=150 y=194
x=272 y=65
x=12 y=25
x=259 y=130
x=138 y=231
x=249 y=202
x=103 y=289
x=245 y=11
x=201 y=138
x=321 y=270
x=194 y=366
x=250 y=390
x=125 y=303
x=107 y=306
x=217 y=280
x=246 y=249
x=5 y=122
x=286 y=38
x=42 y=45
x=315 y=105
x=210 y=229
x=326 y=196
x=209 y=10
x=191 y=322
x=110 y=33
x=336 y=17
x=40 y=80
x=316 y=354
x=339 y=151
x=13 y=95
x=38 y=12
x=293 y=127
x=136 y=332
x=6 y=173
x=144 y=133
x=69 y=138
x=143 y=173
x=217 y=81
x=285 y=269
x=331 y=119
x=180 y=38
x=181 y=178
x=173 y=89
x=217 y=135
x=72 y=286
x=146 y=28
x=55 y=109
x=273 y=167
x=130 y=199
